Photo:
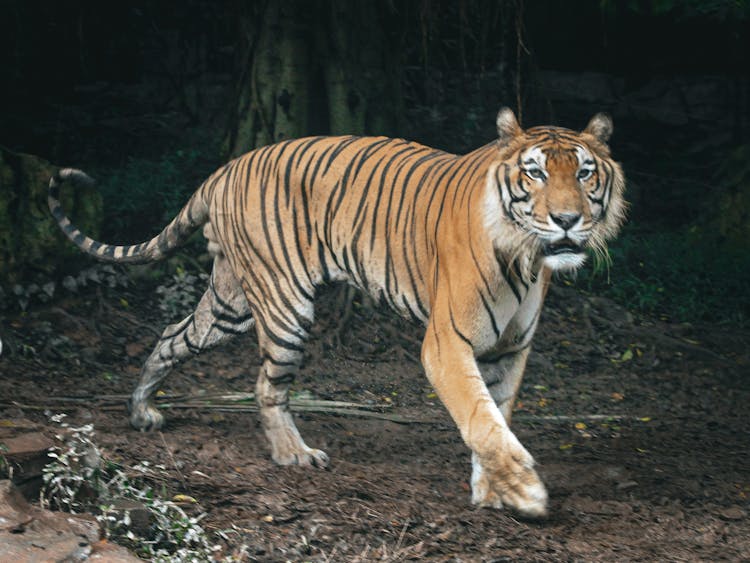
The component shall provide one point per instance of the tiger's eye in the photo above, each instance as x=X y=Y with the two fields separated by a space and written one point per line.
x=535 y=173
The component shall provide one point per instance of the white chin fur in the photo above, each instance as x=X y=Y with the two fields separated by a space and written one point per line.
x=565 y=262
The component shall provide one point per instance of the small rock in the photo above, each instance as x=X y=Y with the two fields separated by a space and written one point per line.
x=26 y=456
x=625 y=485
x=30 y=533
x=734 y=512
x=140 y=517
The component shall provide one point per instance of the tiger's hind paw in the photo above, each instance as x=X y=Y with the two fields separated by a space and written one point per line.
x=307 y=457
x=145 y=417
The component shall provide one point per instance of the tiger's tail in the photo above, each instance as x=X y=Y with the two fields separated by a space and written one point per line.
x=193 y=215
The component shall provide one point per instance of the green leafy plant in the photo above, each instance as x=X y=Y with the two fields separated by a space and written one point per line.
x=687 y=275
x=78 y=479
x=179 y=295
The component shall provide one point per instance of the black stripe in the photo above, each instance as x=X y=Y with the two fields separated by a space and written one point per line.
x=410 y=310
x=316 y=168
x=229 y=330
x=285 y=251
x=491 y=315
x=506 y=275
x=276 y=339
x=455 y=329
x=322 y=259
x=345 y=142
x=381 y=186
x=234 y=319
x=298 y=247
x=501 y=355
x=283 y=379
x=517 y=270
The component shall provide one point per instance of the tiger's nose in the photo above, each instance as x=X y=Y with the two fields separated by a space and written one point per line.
x=565 y=220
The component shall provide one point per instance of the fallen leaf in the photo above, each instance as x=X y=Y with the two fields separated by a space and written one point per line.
x=184 y=498
x=442 y=536
x=134 y=349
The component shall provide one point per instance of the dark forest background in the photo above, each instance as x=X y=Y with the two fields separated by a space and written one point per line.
x=151 y=96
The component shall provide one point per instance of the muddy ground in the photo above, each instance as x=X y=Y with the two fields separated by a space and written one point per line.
x=639 y=427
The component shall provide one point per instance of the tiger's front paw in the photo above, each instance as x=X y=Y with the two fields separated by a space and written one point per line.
x=144 y=416
x=509 y=480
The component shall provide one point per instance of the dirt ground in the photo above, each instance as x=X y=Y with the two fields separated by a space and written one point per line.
x=639 y=427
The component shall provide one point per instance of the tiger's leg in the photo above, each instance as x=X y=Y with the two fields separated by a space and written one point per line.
x=222 y=312
x=503 y=378
x=505 y=474
x=282 y=355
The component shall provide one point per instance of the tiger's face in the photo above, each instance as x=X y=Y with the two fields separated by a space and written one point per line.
x=559 y=189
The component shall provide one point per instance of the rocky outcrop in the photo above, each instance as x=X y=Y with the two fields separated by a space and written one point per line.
x=31 y=244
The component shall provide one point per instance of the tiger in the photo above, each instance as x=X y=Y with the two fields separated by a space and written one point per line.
x=463 y=244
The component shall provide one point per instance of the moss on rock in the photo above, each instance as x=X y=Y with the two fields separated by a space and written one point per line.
x=31 y=243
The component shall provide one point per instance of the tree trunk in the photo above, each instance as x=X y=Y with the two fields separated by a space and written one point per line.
x=351 y=63
x=362 y=71
x=272 y=99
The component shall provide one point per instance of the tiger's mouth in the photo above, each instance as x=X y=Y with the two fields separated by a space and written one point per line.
x=564 y=246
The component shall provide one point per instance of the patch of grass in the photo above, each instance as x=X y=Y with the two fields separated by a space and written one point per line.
x=686 y=275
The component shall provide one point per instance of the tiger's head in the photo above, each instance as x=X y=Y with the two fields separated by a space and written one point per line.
x=559 y=191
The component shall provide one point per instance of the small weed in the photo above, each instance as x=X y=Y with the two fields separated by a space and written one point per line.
x=103 y=275
x=179 y=295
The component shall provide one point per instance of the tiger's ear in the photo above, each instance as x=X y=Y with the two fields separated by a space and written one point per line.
x=600 y=127
x=507 y=124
